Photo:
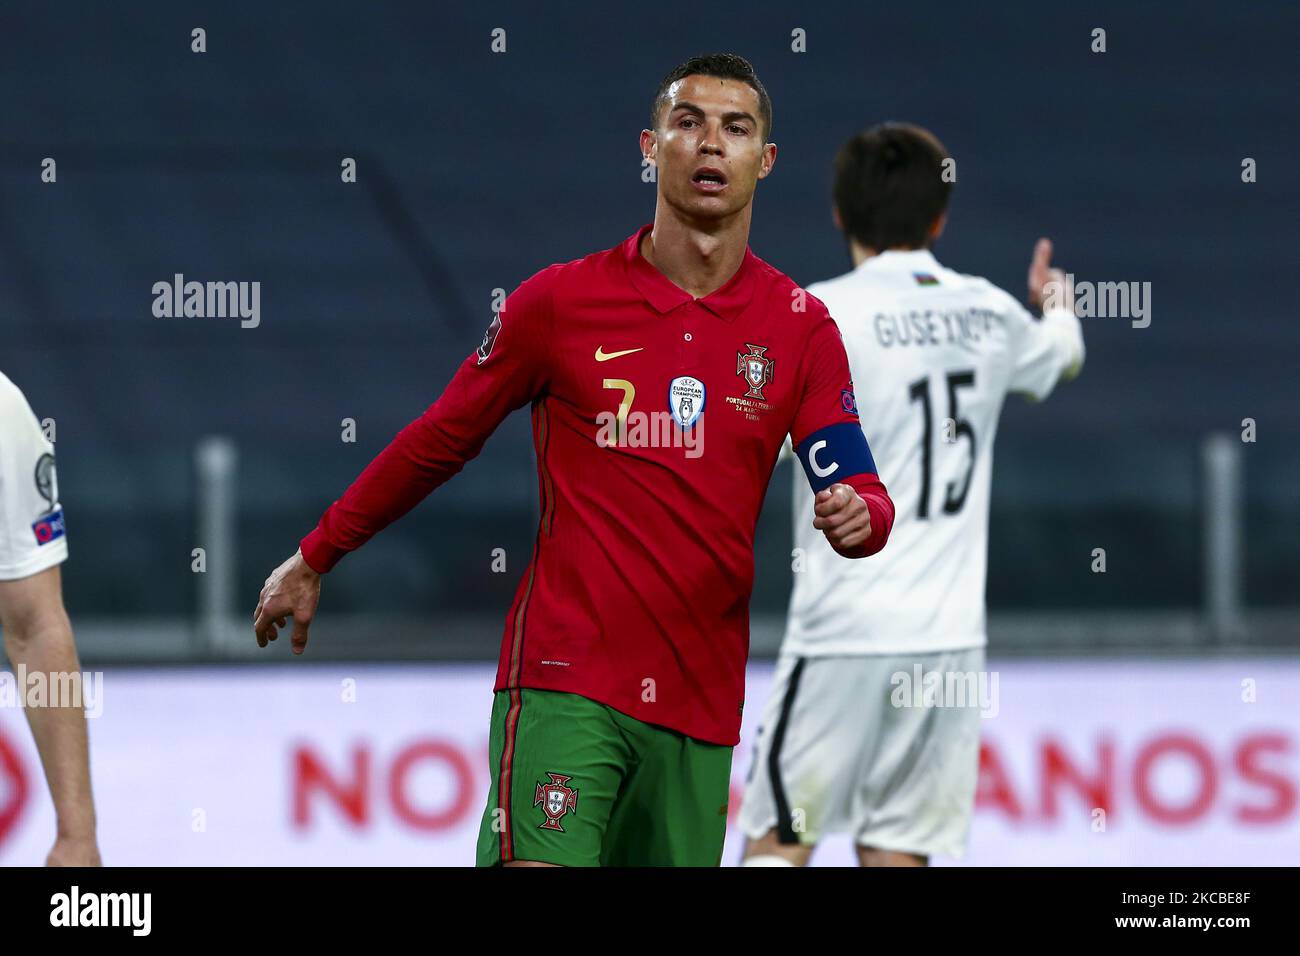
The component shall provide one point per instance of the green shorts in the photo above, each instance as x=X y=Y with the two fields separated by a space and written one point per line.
x=577 y=783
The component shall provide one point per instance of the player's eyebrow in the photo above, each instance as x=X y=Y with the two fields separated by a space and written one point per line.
x=726 y=117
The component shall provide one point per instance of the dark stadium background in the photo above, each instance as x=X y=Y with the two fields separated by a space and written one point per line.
x=476 y=170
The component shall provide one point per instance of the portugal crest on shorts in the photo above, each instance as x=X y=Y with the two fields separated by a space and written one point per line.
x=556 y=800
x=756 y=368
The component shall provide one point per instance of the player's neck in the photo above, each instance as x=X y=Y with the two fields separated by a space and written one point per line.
x=698 y=258
x=860 y=253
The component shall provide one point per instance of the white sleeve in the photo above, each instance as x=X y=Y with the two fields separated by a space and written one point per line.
x=1045 y=351
x=32 y=535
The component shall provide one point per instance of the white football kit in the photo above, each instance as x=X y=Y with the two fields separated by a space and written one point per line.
x=933 y=354
x=32 y=536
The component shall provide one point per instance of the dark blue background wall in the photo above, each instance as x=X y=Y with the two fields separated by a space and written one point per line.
x=476 y=169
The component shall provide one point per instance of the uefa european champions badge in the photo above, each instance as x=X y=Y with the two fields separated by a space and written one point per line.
x=686 y=400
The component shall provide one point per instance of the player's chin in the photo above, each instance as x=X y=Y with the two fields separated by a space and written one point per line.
x=717 y=206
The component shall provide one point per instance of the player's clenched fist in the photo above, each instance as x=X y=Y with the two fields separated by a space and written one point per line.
x=292 y=590
x=842 y=516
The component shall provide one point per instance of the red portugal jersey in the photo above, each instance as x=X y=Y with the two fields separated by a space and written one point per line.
x=657 y=422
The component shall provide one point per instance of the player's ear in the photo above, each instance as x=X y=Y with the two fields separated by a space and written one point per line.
x=769 y=160
x=936 y=227
x=835 y=218
x=649 y=145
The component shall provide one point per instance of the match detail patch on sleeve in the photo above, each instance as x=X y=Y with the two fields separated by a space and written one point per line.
x=489 y=339
x=835 y=453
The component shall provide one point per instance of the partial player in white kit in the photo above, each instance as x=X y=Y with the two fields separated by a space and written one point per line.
x=37 y=632
x=852 y=740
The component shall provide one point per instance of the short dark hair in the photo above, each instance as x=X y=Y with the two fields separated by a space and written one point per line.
x=725 y=66
x=889 y=186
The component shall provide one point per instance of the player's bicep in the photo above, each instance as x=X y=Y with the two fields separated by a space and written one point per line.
x=835 y=453
x=511 y=365
x=31 y=517
x=826 y=433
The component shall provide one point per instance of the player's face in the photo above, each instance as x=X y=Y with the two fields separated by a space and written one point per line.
x=708 y=150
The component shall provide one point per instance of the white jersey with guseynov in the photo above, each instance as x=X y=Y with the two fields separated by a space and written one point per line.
x=933 y=354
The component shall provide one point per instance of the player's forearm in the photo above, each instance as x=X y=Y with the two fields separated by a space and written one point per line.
x=424 y=454
x=46 y=647
x=1067 y=330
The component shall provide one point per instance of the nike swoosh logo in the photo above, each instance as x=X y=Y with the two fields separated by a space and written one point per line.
x=603 y=356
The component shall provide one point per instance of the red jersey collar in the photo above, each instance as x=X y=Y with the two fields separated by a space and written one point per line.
x=726 y=302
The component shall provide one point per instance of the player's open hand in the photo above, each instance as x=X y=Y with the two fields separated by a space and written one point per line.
x=1049 y=288
x=842 y=516
x=292 y=590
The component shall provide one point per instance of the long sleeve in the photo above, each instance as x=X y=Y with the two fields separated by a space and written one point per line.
x=1047 y=351
x=508 y=370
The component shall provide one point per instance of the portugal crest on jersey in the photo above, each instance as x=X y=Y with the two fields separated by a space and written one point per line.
x=756 y=368
x=556 y=800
